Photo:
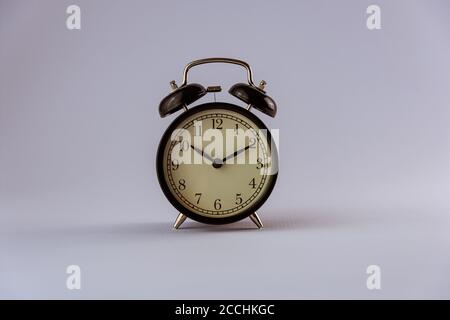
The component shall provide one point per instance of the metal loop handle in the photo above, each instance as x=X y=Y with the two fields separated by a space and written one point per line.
x=218 y=60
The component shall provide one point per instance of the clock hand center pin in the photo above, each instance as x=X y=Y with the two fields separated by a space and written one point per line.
x=216 y=163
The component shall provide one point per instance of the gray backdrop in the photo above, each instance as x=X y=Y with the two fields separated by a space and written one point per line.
x=364 y=149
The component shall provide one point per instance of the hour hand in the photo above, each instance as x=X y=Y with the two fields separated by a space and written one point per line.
x=200 y=152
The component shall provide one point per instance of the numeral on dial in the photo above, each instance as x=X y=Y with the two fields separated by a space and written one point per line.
x=252 y=183
x=175 y=164
x=198 y=196
x=217 y=123
x=184 y=145
x=238 y=198
x=182 y=184
x=259 y=163
x=217 y=204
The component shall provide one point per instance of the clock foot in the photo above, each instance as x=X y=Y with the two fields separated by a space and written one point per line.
x=180 y=219
x=256 y=220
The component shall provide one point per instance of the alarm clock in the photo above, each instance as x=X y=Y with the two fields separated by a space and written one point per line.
x=217 y=162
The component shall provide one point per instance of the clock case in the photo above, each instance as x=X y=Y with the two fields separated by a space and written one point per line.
x=254 y=96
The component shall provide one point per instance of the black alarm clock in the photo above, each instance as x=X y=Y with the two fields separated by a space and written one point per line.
x=217 y=162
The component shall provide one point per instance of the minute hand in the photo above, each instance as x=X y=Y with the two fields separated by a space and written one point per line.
x=231 y=156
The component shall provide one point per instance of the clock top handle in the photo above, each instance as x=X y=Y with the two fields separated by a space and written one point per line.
x=182 y=96
x=218 y=60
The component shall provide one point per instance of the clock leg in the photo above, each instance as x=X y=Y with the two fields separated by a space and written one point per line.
x=256 y=220
x=180 y=219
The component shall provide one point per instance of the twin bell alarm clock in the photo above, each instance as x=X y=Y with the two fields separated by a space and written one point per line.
x=217 y=162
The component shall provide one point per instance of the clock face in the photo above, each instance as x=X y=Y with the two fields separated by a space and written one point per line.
x=216 y=163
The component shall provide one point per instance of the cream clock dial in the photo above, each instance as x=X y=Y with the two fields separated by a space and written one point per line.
x=216 y=163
